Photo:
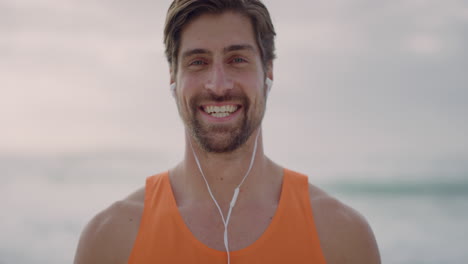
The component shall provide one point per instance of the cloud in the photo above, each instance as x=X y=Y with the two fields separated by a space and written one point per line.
x=424 y=44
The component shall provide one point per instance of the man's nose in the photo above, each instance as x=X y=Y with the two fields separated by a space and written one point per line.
x=218 y=80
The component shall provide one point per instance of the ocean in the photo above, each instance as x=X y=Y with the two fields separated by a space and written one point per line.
x=47 y=200
x=414 y=222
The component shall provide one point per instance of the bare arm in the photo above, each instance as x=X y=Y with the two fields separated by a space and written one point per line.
x=345 y=235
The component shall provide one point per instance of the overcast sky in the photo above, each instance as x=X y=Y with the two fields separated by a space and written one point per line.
x=363 y=86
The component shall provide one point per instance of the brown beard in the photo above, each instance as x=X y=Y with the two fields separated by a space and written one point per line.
x=221 y=138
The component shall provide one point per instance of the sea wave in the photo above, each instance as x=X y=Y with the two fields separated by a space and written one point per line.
x=433 y=188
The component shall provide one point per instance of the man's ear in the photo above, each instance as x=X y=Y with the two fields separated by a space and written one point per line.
x=171 y=76
x=269 y=70
x=172 y=83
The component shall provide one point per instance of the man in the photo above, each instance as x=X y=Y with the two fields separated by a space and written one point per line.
x=226 y=201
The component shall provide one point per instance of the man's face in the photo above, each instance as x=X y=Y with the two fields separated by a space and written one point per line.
x=220 y=81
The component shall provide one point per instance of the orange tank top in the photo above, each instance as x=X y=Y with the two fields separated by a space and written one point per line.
x=291 y=236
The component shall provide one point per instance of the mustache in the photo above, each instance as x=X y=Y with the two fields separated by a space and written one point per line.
x=227 y=96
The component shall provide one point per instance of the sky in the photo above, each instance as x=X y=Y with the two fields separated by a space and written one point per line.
x=363 y=88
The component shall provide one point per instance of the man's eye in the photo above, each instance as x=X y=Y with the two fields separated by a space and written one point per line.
x=238 y=60
x=197 y=62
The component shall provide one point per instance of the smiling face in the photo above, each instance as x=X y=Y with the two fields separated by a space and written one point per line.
x=220 y=81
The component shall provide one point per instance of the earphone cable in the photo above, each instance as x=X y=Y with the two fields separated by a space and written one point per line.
x=234 y=198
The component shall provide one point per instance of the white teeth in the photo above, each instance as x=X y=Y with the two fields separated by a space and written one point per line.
x=219 y=115
x=227 y=109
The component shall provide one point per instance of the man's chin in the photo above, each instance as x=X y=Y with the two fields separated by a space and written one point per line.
x=219 y=143
x=220 y=138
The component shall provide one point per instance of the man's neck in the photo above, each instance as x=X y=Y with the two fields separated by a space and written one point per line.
x=224 y=172
x=226 y=168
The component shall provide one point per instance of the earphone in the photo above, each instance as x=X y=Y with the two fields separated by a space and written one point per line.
x=268 y=83
x=225 y=221
x=172 y=88
x=234 y=197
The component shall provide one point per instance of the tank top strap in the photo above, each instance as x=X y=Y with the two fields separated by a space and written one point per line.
x=156 y=192
x=296 y=188
x=296 y=230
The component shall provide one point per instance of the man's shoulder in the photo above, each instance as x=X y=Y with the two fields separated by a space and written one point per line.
x=109 y=235
x=345 y=235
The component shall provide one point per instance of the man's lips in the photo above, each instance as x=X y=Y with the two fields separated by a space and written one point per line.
x=220 y=110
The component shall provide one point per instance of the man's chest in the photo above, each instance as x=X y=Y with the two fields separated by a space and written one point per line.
x=246 y=225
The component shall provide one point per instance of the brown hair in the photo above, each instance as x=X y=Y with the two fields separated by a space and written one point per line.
x=181 y=12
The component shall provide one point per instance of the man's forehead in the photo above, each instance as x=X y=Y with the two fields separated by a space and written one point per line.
x=218 y=33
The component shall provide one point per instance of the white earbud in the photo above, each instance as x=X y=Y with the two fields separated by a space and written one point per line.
x=268 y=83
x=172 y=88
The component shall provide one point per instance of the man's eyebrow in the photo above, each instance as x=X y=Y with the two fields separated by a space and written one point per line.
x=236 y=47
x=191 y=52
x=239 y=47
